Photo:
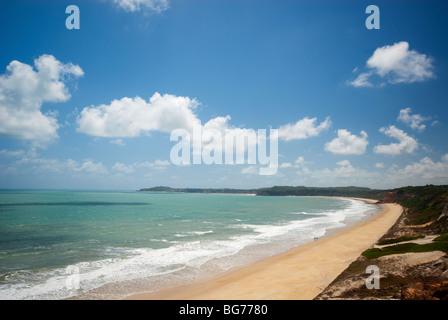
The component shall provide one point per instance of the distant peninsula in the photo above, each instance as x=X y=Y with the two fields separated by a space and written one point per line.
x=198 y=190
x=282 y=191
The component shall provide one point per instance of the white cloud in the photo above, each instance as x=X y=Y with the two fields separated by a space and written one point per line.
x=162 y=163
x=158 y=164
x=396 y=64
x=218 y=135
x=133 y=117
x=89 y=166
x=31 y=160
x=302 y=129
x=379 y=165
x=136 y=5
x=123 y=168
x=9 y=153
x=426 y=171
x=405 y=145
x=23 y=91
x=218 y=123
x=250 y=170
x=118 y=142
x=414 y=121
x=343 y=163
x=342 y=175
x=402 y=64
x=361 y=81
x=300 y=161
x=347 y=143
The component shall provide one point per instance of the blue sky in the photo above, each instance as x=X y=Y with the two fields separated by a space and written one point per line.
x=94 y=107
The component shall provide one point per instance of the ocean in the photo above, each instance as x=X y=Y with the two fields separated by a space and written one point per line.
x=65 y=244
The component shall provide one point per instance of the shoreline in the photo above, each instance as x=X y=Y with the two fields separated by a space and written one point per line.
x=301 y=273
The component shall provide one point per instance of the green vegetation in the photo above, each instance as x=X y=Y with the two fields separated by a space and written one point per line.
x=400 y=239
x=423 y=204
x=442 y=238
x=330 y=192
x=406 y=247
x=426 y=203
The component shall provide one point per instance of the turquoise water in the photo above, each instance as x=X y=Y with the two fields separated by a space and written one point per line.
x=109 y=244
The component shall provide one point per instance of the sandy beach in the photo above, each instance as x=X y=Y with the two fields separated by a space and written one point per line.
x=300 y=273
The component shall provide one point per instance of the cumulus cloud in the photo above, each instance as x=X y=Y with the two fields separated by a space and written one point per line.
x=343 y=174
x=30 y=163
x=158 y=164
x=216 y=141
x=343 y=163
x=298 y=163
x=123 y=168
x=303 y=129
x=133 y=117
x=402 y=64
x=24 y=89
x=89 y=166
x=31 y=159
x=426 y=171
x=347 y=143
x=405 y=145
x=136 y=5
x=396 y=64
x=414 y=120
x=218 y=135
